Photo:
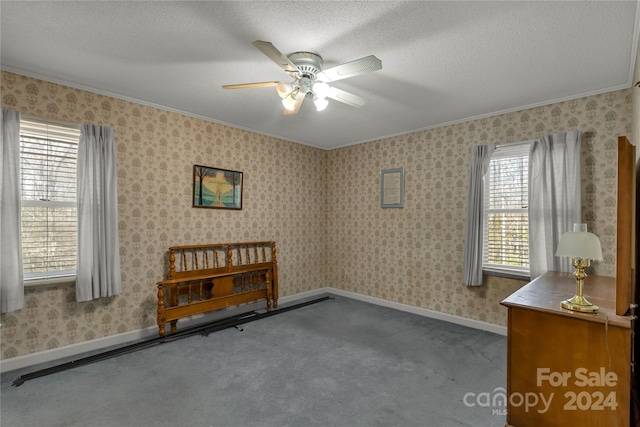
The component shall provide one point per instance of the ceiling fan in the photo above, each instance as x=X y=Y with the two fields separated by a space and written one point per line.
x=310 y=80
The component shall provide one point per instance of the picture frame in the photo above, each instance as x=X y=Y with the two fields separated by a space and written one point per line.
x=392 y=188
x=216 y=188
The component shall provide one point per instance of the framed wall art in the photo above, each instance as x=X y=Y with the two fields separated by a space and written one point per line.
x=216 y=188
x=392 y=188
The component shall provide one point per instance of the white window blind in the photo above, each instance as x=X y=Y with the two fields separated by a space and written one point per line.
x=48 y=154
x=506 y=220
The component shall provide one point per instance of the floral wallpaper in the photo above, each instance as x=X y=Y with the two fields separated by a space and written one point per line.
x=283 y=200
x=414 y=255
x=328 y=233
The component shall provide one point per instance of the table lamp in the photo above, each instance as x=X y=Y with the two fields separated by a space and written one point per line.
x=582 y=247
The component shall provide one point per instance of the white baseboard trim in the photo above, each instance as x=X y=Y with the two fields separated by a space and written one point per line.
x=27 y=360
x=152 y=331
x=475 y=324
x=122 y=339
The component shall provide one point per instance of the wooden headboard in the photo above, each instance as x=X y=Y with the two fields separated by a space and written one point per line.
x=209 y=277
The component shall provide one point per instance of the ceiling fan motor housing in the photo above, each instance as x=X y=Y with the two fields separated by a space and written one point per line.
x=310 y=64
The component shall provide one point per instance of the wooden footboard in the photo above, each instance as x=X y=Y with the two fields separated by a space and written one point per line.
x=211 y=277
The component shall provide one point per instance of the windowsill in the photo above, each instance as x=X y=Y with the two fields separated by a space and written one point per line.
x=49 y=282
x=507 y=274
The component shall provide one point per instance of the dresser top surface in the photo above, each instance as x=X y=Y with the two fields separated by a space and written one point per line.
x=546 y=293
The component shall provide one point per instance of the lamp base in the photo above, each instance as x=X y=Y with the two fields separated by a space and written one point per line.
x=580 y=303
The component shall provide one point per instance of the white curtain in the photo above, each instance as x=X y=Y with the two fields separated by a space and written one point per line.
x=98 y=267
x=554 y=198
x=473 y=245
x=11 y=275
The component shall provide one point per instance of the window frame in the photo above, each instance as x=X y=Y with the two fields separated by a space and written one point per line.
x=47 y=278
x=516 y=149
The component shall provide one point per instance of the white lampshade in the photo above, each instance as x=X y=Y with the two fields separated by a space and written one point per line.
x=579 y=243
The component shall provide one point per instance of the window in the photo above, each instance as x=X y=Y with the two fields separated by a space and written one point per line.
x=506 y=219
x=48 y=154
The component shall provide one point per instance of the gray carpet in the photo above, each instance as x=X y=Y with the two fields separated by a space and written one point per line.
x=339 y=362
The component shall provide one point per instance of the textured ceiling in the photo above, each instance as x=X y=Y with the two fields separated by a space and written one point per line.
x=443 y=62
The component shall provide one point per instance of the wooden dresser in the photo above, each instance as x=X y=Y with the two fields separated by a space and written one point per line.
x=566 y=368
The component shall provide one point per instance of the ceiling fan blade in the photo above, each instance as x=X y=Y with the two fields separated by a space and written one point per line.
x=276 y=56
x=250 y=85
x=350 y=69
x=346 y=97
x=296 y=106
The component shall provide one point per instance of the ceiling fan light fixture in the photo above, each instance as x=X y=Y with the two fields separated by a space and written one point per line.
x=321 y=103
x=321 y=89
x=284 y=89
x=288 y=102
